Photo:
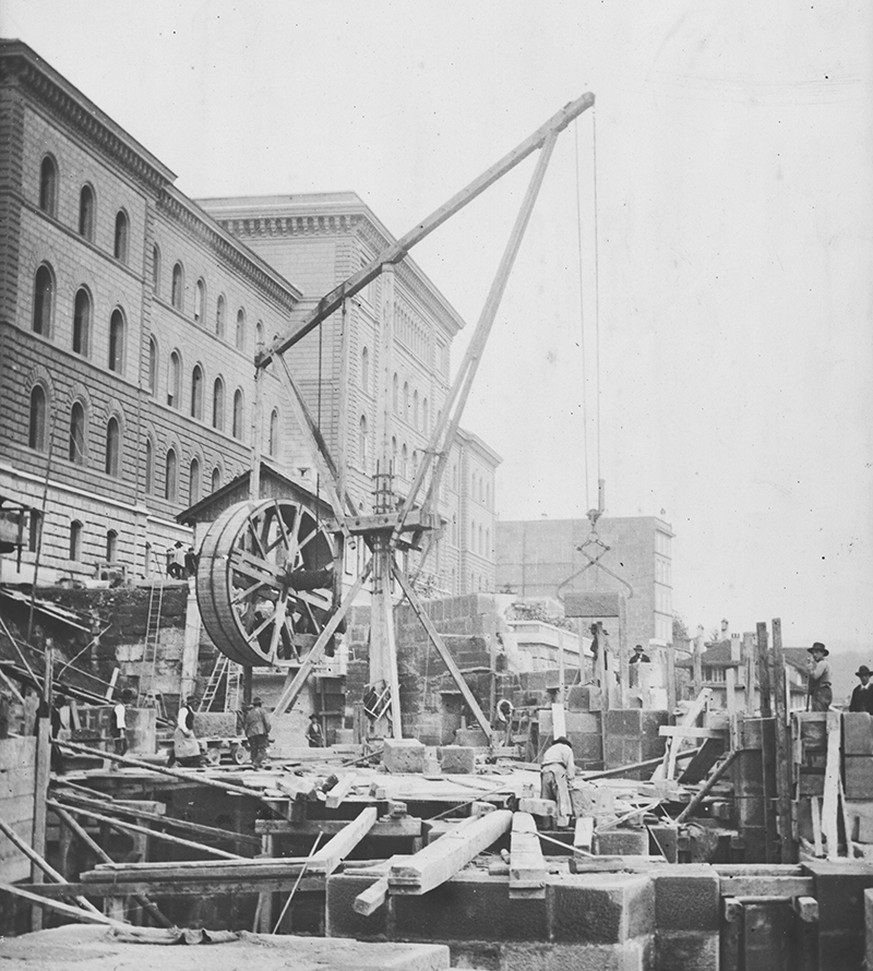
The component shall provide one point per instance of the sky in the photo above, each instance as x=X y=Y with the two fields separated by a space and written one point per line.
x=706 y=350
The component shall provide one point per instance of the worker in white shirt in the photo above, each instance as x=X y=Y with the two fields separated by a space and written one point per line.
x=186 y=748
x=119 y=723
x=556 y=771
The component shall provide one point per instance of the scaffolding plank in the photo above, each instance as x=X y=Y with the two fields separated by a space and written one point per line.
x=527 y=866
x=333 y=852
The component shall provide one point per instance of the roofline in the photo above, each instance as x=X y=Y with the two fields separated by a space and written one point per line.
x=663 y=526
x=11 y=49
x=346 y=202
x=471 y=438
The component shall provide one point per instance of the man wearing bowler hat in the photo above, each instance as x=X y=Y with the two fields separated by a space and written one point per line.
x=819 y=694
x=862 y=696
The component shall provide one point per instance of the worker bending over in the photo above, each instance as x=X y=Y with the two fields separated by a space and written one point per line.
x=556 y=771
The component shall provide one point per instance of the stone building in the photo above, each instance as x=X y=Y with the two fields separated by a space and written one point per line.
x=376 y=373
x=129 y=321
x=541 y=559
x=128 y=325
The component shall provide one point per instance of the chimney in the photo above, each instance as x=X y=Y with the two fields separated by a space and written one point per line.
x=736 y=648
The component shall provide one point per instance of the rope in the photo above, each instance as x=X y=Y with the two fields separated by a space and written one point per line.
x=596 y=292
x=582 y=317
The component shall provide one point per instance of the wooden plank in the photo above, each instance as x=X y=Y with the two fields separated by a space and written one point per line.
x=680 y=731
x=584 y=835
x=42 y=776
x=527 y=866
x=334 y=851
x=85 y=916
x=667 y=769
x=370 y=900
x=764 y=671
x=787 y=846
x=830 y=799
x=338 y=792
x=441 y=860
x=402 y=826
x=311 y=883
x=815 y=812
x=765 y=885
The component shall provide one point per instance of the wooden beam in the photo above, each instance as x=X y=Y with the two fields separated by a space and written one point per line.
x=787 y=844
x=584 y=835
x=527 y=866
x=442 y=650
x=401 y=827
x=334 y=851
x=85 y=916
x=830 y=799
x=707 y=786
x=396 y=251
x=155 y=834
x=101 y=854
x=764 y=671
x=667 y=769
x=441 y=860
x=370 y=900
x=176 y=887
x=680 y=731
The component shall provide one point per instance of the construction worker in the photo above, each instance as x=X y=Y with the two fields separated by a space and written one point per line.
x=862 y=696
x=119 y=723
x=314 y=734
x=186 y=748
x=556 y=771
x=257 y=729
x=819 y=693
x=639 y=656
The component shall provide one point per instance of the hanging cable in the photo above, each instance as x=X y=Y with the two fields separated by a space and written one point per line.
x=596 y=295
x=582 y=317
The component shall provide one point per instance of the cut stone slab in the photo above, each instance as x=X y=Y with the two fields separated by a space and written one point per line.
x=458 y=759
x=75 y=947
x=403 y=755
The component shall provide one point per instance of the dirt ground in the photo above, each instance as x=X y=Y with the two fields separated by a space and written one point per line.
x=79 y=947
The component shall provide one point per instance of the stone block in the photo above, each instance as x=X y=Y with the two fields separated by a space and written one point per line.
x=686 y=950
x=636 y=955
x=687 y=898
x=586 y=748
x=613 y=751
x=601 y=908
x=469 y=907
x=215 y=724
x=622 y=842
x=857 y=733
x=868 y=927
x=403 y=755
x=471 y=738
x=841 y=951
x=665 y=840
x=341 y=920
x=623 y=721
x=459 y=759
x=839 y=889
x=858 y=774
x=651 y=719
x=583 y=697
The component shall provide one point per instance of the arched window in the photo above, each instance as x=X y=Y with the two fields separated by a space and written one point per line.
x=153 y=365
x=199 y=300
x=174 y=382
x=365 y=371
x=122 y=231
x=425 y=416
x=395 y=394
x=238 y=413
x=415 y=409
x=82 y=323
x=273 y=443
x=394 y=455
x=170 y=476
x=111 y=546
x=75 y=540
x=414 y=463
x=363 y=451
x=259 y=334
x=218 y=404
x=77 y=433
x=36 y=427
x=406 y=400
x=113 y=447
x=149 y=466
x=178 y=290
x=86 y=212
x=156 y=269
x=116 y=341
x=34 y=536
x=404 y=461
x=220 y=309
x=216 y=478
x=241 y=330
x=43 y=300
x=48 y=186
x=197 y=392
x=194 y=482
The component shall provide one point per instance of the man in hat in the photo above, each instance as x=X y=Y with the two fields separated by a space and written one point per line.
x=314 y=734
x=257 y=728
x=862 y=696
x=819 y=694
x=639 y=656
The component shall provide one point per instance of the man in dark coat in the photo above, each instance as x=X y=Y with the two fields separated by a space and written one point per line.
x=862 y=696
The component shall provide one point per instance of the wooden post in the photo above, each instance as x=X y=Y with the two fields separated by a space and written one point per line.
x=40 y=794
x=264 y=913
x=670 y=652
x=764 y=672
x=829 y=807
x=748 y=655
x=788 y=849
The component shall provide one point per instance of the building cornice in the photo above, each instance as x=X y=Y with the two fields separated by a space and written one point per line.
x=51 y=90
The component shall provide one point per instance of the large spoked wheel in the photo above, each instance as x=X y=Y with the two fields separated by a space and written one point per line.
x=266 y=581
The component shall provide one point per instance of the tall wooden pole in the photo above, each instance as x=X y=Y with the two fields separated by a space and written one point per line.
x=787 y=845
